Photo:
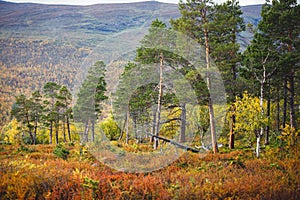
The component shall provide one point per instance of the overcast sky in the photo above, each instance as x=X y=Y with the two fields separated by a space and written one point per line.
x=89 y=2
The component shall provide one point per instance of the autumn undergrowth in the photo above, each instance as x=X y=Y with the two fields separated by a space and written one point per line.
x=36 y=172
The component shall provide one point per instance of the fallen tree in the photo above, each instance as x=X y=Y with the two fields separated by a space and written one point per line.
x=187 y=148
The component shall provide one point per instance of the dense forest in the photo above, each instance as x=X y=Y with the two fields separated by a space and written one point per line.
x=196 y=113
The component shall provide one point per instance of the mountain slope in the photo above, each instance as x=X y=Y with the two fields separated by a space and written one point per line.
x=41 y=43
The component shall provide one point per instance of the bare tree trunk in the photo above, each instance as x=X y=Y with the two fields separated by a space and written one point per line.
x=69 y=130
x=233 y=88
x=86 y=132
x=210 y=103
x=258 y=145
x=292 y=101
x=183 y=123
x=64 y=130
x=35 y=132
x=153 y=124
x=284 y=103
x=159 y=100
x=122 y=130
x=127 y=126
x=56 y=133
x=135 y=128
x=292 y=86
x=278 y=111
x=261 y=101
x=267 y=139
x=93 y=131
x=51 y=132
x=231 y=133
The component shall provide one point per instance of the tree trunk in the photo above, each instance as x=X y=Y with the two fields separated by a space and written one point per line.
x=64 y=130
x=153 y=124
x=292 y=101
x=187 y=148
x=258 y=145
x=261 y=103
x=278 y=111
x=69 y=130
x=35 y=132
x=233 y=88
x=292 y=85
x=51 y=132
x=183 y=123
x=127 y=127
x=210 y=103
x=93 y=131
x=267 y=139
x=56 y=133
x=31 y=136
x=231 y=134
x=284 y=103
x=159 y=101
x=135 y=128
x=122 y=130
x=86 y=132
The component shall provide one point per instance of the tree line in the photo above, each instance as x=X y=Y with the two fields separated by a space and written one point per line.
x=261 y=83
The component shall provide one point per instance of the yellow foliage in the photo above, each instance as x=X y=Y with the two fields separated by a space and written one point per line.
x=11 y=132
x=110 y=128
x=171 y=128
x=248 y=113
x=289 y=135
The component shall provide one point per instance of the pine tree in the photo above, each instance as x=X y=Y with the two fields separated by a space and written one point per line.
x=37 y=111
x=51 y=117
x=225 y=25
x=89 y=99
x=21 y=110
x=196 y=16
x=65 y=98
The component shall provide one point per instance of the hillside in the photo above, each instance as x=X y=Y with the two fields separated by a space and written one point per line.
x=41 y=43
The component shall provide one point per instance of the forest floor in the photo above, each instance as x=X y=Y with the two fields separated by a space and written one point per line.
x=36 y=172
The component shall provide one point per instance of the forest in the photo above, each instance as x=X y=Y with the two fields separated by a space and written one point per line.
x=194 y=115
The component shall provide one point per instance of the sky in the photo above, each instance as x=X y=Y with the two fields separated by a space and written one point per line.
x=90 y=2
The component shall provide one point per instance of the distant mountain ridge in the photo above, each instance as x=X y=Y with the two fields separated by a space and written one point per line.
x=30 y=19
